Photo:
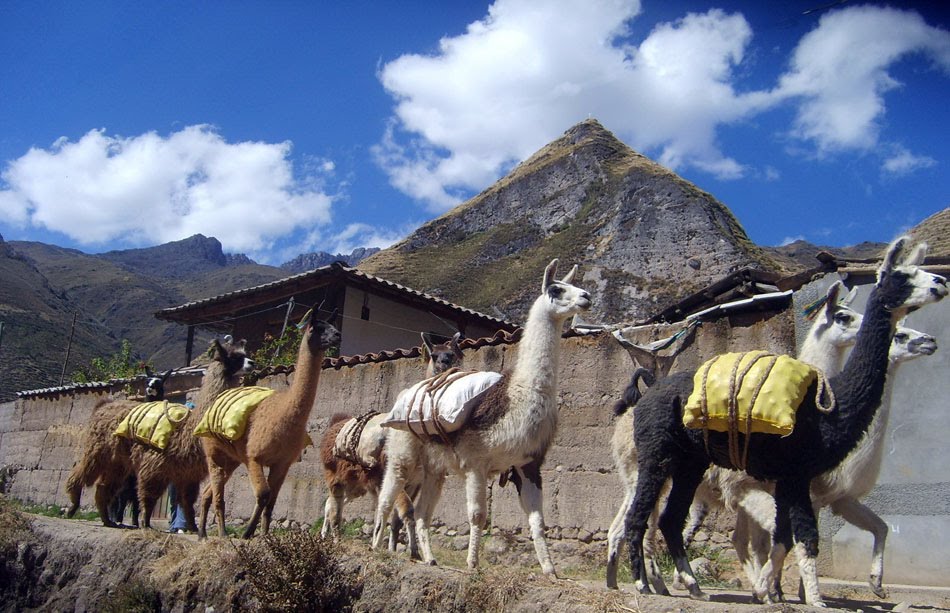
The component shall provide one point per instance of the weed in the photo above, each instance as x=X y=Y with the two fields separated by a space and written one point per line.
x=136 y=596
x=297 y=571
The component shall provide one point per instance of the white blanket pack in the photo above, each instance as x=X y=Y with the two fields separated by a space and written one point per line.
x=452 y=403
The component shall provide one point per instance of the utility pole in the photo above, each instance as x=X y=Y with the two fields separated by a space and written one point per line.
x=69 y=345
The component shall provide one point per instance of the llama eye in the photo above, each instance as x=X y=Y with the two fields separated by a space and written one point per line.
x=843 y=318
x=555 y=291
x=900 y=337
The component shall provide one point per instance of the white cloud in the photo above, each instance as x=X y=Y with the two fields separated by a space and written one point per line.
x=903 y=162
x=150 y=189
x=517 y=78
x=788 y=240
x=839 y=71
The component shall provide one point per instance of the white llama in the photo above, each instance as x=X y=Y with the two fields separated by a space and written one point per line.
x=513 y=426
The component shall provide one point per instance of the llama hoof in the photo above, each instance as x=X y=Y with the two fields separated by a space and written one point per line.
x=877 y=588
x=644 y=589
x=697 y=594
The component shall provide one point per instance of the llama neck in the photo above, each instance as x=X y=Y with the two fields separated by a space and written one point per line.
x=215 y=381
x=303 y=390
x=860 y=386
x=822 y=355
x=536 y=366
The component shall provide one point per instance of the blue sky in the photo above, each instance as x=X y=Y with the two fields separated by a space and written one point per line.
x=288 y=127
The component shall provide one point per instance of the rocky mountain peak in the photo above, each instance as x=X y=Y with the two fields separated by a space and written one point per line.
x=643 y=236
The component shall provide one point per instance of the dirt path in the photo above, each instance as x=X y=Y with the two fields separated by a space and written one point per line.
x=78 y=566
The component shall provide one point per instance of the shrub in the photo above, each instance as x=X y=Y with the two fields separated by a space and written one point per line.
x=297 y=571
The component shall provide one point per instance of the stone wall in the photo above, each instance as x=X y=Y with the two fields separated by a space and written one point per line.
x=40 y=437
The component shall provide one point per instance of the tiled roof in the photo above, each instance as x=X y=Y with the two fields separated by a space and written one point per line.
x=102 y=385
x=334 y=271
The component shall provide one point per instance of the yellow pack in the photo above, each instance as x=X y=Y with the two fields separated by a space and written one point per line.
x=776 y=383
x=228 y=414
x=151 y=423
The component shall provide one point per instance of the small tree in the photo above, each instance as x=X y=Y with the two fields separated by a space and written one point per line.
x=121 y=365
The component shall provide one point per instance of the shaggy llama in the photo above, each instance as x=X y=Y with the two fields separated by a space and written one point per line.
x=275 y=436
x=512 y=427
x=818 y=443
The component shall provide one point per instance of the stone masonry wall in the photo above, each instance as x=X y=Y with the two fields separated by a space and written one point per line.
x=40 y=437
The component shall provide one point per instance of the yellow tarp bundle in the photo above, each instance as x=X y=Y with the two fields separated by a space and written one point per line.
x=776 y=384
x=149 y=423
x=228 y=414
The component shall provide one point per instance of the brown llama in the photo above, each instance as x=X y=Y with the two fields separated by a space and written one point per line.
x=351 y=478
x=275 y=436
x=182 y=462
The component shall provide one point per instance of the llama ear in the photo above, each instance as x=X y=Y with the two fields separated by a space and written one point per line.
x=549 y=273
x=305 y=320
x=166 y=374
x=426 y=346
x=148 y=371
x=893 y=256
x=831 y=300
x=847 y=300
x=569 y=277
x=917 y=255
x=455 y=345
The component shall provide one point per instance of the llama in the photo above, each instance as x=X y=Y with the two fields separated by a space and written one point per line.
x=348 y=480
x=105 y=458
x=833 y=331
x=842 y=487
x=275 y=436
x=182 y=461
x=513 y=426
x=818 y=443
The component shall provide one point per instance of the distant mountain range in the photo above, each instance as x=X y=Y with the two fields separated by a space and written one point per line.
x=643 y=236
x=113 y=296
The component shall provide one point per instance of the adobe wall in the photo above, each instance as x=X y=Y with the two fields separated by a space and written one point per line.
x=40 y=437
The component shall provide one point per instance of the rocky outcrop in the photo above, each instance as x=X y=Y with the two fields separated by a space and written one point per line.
x=309 y=261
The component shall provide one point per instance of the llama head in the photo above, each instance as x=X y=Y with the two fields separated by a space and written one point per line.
x=904 y=286
x=442 y=356
x=155 y=384
x=838 y=323
x=321 y=335
x=909 y=344
x=232 y=355
x=561 y=297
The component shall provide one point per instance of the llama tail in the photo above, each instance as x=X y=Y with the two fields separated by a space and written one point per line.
x=74 y=484
x=632 y=395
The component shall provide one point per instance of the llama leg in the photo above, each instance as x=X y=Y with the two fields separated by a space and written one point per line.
x=476 y=486
x=755 y=522
x=105 y=490
x=652 y=474
x=686 y=478
x=219 y=471
x=275 y=481
x=697 y=513
x=426 y=499
x=532 y=503
x=805 y=531
x=333 y=511
x=615 y=539
x=859 y=515
x=394 y=481
x=187 y=495
x=204 y=507
x=261 y=487
x=654 y=574
x=404 y=515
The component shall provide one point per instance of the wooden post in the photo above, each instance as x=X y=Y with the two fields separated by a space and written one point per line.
x=189 y=344
x=69 y=345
